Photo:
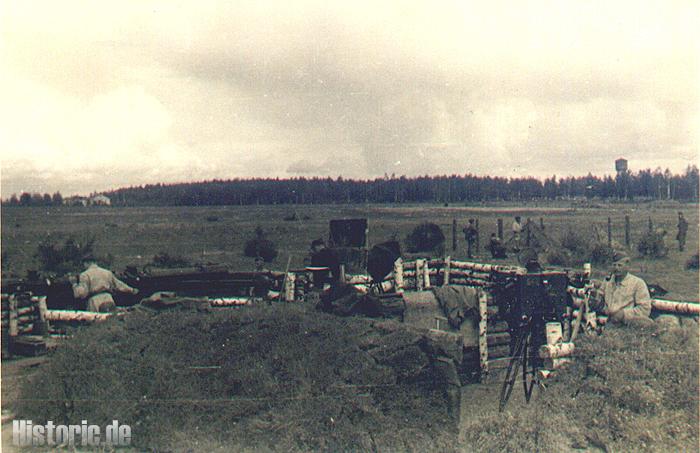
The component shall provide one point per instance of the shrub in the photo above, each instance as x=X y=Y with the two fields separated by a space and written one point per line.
x=426 y=237
x=652 y=245
x=66 y=258
x=163 y=259
x=601 y=253
x=575 y=242
x=558 y=257
x=260 y=246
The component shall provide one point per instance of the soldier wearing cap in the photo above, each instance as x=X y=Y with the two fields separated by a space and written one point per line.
x=470 y=235
x=626 y=296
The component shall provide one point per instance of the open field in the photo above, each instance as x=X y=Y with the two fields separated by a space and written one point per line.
x=627 y=391
x=217 y=234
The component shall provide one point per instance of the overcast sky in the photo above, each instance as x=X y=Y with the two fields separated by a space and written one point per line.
x=99 y=94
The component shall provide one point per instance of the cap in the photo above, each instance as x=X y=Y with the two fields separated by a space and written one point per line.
x=619 y=255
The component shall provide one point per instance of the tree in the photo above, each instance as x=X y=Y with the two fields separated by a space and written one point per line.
x=57 y=199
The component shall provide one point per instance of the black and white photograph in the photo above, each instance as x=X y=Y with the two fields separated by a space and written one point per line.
x=349 y=226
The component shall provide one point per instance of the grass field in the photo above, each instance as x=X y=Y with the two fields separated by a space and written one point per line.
x=627 y=391
x=218 y=234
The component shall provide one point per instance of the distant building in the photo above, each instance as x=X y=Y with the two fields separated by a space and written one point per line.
x=100 y=200
x=75 y=201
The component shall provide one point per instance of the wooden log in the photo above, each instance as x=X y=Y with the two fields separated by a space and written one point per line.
x=481 y=267
x=398 y=275
x=409 y=265
x=483 y=322
x=497 y=339
x=675 y=306
x=76 y=315
x=419 y=274
x=555 y=351
x=342 y=273
x=471 y=274
x=289 y=287
x=25 y=329
x=497 y=325
x=13 y=328
x=470 y=282
x=499 y=351
x=446 y=272
x=426 y=276
x=229 y=301
x=553 y=332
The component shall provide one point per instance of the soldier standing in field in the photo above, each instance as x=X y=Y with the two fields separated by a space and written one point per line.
x=470 y=235
x=682 y=231
x=517 y=229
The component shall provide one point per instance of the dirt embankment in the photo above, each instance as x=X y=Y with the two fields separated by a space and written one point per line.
x=262 y=378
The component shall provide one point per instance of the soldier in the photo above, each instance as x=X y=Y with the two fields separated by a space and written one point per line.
x=97 y=286
x=516 y=229
x=496 y=247
x=626 y=296
x=682 y=231
x=470 y=235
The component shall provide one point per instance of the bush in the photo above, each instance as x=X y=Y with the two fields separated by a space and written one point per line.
x=426 y=237
x=601 y=253
x=577 y=248
x=692 y=262
x=260 y=246
x=163 y=259
x=575 y=243
x=652 y=245
x=66 y=258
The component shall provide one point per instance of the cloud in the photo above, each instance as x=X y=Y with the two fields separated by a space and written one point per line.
x=123 y=93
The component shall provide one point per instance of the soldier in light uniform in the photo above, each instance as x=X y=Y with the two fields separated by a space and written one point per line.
x=626 y=296
x=97 y=286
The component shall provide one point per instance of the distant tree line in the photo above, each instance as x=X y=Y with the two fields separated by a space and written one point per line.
x=646 y=184
x=34 y=199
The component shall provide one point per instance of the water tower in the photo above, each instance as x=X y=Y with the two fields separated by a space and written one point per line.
x=622 y=179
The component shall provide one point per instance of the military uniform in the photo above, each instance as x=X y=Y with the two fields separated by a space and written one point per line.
x=627 y=299
x=98 y=284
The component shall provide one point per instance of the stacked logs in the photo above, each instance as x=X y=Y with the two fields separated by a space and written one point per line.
x=19 y=313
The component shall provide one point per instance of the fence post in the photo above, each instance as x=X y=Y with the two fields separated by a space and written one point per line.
x=419 y=274
x=609 y=232
x=476 y=223
x=454 y=235
x=627 y=230
x=398 y=275
x=426 y=274
x=651 y=225
x=542 y=223
x=527 y=233
x=500 y=229
x=446 y=272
